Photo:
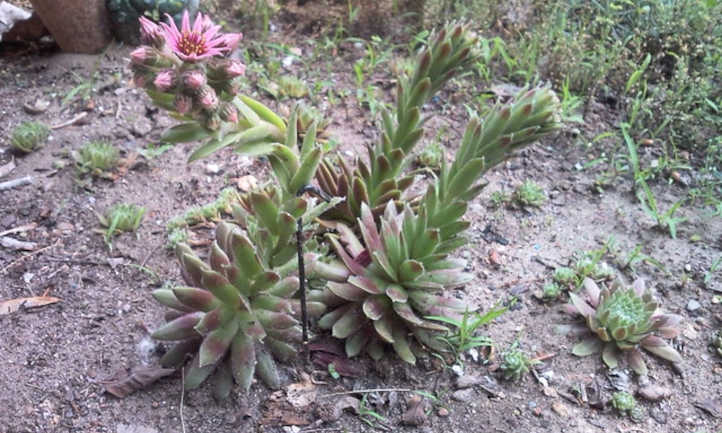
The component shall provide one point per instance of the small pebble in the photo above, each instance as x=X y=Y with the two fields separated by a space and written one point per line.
x=457 y=369
x=443 y=412
x=213 y=168
x=693 y=305
x=560 y=409
x=464 y=395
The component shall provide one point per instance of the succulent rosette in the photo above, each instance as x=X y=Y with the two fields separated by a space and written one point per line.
x=235 y=315
x=619 y=322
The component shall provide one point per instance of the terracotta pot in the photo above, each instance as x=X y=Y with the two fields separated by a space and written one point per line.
x=78 y=26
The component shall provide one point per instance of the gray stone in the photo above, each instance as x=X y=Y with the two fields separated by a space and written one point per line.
x=464 y=395
x=693 y=305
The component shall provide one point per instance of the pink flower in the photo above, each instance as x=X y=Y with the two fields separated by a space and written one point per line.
x=164 y=80
x=198 y=42
x=194 y=80
x=151 y=33
x=234 y=69
x=139 y=55
x=183 y=104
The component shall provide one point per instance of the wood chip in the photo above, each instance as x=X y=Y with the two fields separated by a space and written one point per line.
x=12 y=305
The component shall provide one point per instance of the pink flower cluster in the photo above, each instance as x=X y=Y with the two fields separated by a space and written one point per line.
x=191 y=63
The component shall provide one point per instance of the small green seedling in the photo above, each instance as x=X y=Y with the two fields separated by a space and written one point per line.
x=121 y=217
x=29 y=136
x=292 y=87
x=515 y=363
x=96 y=157
x=565 y=276
x=626 y=404
x=463 y=337
x=529 y=194
x=176 y=235
x=551 y=291
x=431 y=156
x=368 y=415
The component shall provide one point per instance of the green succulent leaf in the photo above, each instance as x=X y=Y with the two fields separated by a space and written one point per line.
x=588 y=347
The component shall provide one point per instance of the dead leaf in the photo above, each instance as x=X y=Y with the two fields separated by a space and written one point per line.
x=494 y=258
x=278 y=411
x=333 y=412
x=415 y=415
x=247 y=183
x=7 y=168
x=301 y=394
x=331 y=351
x=12 y=305
x=712 y=407
x=122 y=384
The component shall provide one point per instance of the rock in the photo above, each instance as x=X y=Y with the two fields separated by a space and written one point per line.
x=560 y=409
x=693 y=305
x=658 y=414
x=79 y=27
x=134 y=428
x=654 y=392
x=467 y=381
x=9 y=15
x=442 y=412
x=464 y=395
x=457 y=369
x=213 y=168
x=142 y=127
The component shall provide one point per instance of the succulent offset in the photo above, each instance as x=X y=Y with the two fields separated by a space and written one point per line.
x=233 y=316
x=619 y=322
x=515 y=363
x=29 y=136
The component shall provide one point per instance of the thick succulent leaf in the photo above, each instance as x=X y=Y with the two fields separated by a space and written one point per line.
x=592 y=291
x=192 y=268
x=286 y=287
x=223 y=231
x=425 y=244
x=581 y=305
x=659 y=347
x=401 y=345
x=620 y=334
x=365 y=284
x=251 y=326
x=464 y=178
x=218 y=258
x=172 y=315
x=370 y=233
x=356 y=343
x=293 y=334
x=176 y=356
x=266 y=368
x=196 y=375
x=349 y=323
x=213 y=319
x=384 y=329
x=168 y=298
x=244 y=255
x=281 y=350
x=410 y=270
x=611 y=355
x=375 y=349
x=333 y=271
x=588 y=347
x=453 y=229
x=405 y=312
x=264 y=281
x=351 y=264
x=196 y=299
x=397 y=293
x=307 y=169
x=349 y=239
x=216 y=344
x=329 y=319
x=636 y=362
x=448 y=278
x=382 y=262
x=243 y=360
x=313 y=308
x=271 y=319
x=272 y=303
x=346 y=291
x=374 y=307
x=449 y=214
x=220 y=287
x=222 y=382
x=638 y=287
x=180 y=328
x=430 y=340
x=666 y=325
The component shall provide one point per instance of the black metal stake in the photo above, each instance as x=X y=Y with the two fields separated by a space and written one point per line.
x=302 y=282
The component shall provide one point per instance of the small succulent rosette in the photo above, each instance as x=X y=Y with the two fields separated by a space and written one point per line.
x=619 y=322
